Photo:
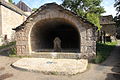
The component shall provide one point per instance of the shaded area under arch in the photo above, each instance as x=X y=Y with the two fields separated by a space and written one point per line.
x=44 y=32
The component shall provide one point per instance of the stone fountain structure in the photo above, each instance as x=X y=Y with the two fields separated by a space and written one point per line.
x=75 y=35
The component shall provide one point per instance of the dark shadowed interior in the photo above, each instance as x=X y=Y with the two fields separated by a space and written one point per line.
x=45 y=31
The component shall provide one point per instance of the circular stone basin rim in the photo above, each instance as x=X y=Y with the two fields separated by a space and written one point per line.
x=66 y=66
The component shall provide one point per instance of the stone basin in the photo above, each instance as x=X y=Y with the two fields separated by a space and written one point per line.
x=60 y=66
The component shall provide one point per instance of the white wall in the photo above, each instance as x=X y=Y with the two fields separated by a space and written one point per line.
x=10 y=19
x=6 y=0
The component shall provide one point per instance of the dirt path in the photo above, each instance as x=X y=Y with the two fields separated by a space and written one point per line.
x=109 y=70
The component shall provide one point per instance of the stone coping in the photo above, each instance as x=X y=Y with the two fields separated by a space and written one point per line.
x=55 y=66
x=56 y=55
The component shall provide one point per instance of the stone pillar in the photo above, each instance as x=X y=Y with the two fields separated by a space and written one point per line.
x=22 y=43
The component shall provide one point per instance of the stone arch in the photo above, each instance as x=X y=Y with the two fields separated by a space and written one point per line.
x=72 y=19
x=57 y=15
x=47 y=29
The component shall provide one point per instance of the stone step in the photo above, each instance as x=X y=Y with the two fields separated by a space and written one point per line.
x=56 y=55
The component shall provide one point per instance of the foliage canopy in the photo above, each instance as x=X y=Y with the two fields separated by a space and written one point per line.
x=117 y=17
x=89 y=9
x=34 y=9
x=11 y=1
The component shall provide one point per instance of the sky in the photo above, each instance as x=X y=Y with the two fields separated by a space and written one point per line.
x=107 y=4
x=109 y=7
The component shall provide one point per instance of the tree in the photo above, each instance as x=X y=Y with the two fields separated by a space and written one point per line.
x=117 y=17
x=34 y=9
x=11 y=1
x=89 y=9
x=94 y=18
x=117 y=6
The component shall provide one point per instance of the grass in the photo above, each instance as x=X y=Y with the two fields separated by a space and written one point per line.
x=8 y=45
x=11 y=49
x=11 y=52
x=103 y=51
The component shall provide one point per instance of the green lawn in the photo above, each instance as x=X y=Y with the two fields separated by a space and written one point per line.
x=103 y=51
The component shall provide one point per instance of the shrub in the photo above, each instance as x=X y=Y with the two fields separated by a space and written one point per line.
x=12 y=51
x=103 y=51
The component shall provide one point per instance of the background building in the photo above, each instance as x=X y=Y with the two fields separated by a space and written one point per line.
x=108 y=30
x=11 y=16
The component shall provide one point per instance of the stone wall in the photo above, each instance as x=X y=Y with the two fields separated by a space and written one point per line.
x=0 y=21
x=9 y=19
x=88 y=45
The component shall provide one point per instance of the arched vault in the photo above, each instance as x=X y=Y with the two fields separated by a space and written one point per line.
x=40 y=29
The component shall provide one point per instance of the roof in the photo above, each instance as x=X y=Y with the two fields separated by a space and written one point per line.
x=23 y=6
x=48 y=5
x=106 y=20
x=12 y=7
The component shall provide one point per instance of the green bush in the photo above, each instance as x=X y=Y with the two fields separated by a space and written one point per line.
x=103 y=51
x=8 y=45
x=12 y=51
x=11 y=1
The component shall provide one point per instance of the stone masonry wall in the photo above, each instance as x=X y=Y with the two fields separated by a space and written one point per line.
x=0 y=21
x=9 y=20
x=0 y=26
x=88 y=45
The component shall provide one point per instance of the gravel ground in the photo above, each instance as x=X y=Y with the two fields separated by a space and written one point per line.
x=109 y=70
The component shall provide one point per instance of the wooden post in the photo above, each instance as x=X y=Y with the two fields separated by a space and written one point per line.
x=98 y=36
x=104 y=36
x=101 y=37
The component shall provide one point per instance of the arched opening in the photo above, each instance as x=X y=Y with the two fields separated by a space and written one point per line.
x=44 y=32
